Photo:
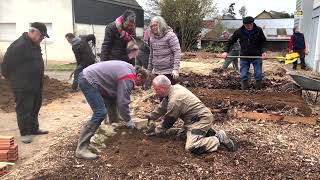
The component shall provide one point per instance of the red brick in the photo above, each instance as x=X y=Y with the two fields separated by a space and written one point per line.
x=4 y=155
x=4 y=147
x=6 y=140
x=4 y=169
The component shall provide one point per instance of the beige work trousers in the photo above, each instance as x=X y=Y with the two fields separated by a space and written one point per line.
x=195 y=141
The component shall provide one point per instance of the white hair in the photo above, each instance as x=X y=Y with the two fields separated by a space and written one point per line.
x=163 y=26
x=162 y=80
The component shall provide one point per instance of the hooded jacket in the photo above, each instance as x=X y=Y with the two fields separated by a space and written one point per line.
x=252 y=42
x=82 y=51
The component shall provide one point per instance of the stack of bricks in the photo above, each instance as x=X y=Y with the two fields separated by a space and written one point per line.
x=8 y=149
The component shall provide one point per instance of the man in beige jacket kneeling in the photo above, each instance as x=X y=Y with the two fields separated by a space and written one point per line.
x=179 y=102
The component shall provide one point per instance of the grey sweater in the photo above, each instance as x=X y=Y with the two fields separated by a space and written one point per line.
x=113 y=79
x=165 y=53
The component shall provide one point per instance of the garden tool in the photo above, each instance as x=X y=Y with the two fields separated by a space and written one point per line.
x=289 y=58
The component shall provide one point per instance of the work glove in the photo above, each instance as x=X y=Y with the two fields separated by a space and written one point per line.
x=224 y=55
x=175 y=74
x=264 y=55
x=130 y=124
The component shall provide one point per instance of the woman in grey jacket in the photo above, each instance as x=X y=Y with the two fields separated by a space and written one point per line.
x=165 y=52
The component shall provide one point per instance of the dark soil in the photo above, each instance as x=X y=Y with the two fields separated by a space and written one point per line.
x=136 y=156
x=53 y=89
x=227 y=79
x=251 y=101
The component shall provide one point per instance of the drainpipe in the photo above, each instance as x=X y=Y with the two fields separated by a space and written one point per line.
x=73 y=17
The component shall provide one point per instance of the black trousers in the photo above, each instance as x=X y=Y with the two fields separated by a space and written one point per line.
x=302 y=56
x=28 y=104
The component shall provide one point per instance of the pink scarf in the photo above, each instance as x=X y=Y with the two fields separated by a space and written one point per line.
x=124 y=35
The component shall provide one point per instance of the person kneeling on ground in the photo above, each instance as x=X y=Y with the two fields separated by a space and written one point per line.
x=179 y=102
x=108 y=81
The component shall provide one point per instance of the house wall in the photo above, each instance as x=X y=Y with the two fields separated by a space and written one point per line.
x=16 y=16
x=309 y=26
x=314 y=38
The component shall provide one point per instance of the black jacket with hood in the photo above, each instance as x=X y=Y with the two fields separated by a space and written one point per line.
x=83 y=53
x=252 y=42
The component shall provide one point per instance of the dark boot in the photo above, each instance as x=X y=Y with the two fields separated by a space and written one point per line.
x=84 y=140
x=226 y=141
x=258 y=85
x=74 y=87
x=244 y=85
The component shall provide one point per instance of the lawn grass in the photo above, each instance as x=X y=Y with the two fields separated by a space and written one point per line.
x=61 y=67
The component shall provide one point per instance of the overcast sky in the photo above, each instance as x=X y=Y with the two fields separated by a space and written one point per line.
x=254 y=7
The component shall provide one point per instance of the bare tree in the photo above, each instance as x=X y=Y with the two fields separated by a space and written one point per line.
x=231 y=9
x=243 y=11
x=185 y=18
x=152 y=8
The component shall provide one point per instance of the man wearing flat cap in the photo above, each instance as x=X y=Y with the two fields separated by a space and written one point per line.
x=252 y=42
x=24 y=68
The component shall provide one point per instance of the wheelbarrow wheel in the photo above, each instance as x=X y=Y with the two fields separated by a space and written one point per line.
x=292 y=88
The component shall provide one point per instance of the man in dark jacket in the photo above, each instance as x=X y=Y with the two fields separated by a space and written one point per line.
x=84 y=56
x=24 y=68
x=117 y=36
x=252 y=43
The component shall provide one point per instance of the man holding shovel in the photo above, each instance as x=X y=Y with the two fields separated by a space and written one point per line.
x=252 y=43
x=84 y=56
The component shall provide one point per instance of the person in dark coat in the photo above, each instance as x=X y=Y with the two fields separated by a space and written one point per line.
x=117 y=36
x=252 y=43
x=298 y=45
x=24 y=68
x=84 y=56
x=142 y=60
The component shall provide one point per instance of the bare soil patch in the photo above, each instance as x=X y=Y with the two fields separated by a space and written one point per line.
x=53 y=89
x=136 y=156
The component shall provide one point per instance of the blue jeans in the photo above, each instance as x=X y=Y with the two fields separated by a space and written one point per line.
x=77 y=71
x=245 y=66
x=94 y=99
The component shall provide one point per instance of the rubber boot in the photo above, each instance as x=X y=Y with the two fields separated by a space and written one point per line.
x=26 y=139
x=244 y=85
x=84 y=140
x=258 y=85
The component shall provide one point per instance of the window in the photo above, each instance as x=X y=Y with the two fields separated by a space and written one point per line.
x=281 y=31
x=8 y=31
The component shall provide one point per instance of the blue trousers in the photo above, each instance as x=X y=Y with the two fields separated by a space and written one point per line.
x=245 y=66
x=94 y=99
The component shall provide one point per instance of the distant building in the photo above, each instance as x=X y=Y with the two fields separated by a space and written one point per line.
x=61 y=17
x=272 y=15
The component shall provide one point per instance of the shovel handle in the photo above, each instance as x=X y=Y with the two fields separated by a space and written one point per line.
x=254 y=57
